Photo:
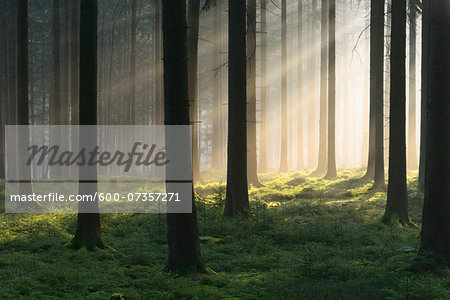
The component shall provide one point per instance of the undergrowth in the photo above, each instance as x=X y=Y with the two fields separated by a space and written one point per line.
x=306 y=238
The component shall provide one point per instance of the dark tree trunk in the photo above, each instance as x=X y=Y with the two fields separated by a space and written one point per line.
x=192 y=37
x=412 y=152
x=74 y=61
x=376 y=88
x=284 y=116
x=65 y=99
x=397 y=196
x=423 y=94
x=158 y=111
x=3 y=88
x=55 y=111
x=322 y=158
x=88 y=224
x=236 y=202
x=300 y=86
x=262 y=128
x=11 y=111
x=331 y=157
x=252 y=165
x=132 y=87
x=182 y=232
x=436 y=210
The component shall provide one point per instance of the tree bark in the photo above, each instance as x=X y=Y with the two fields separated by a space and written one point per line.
x=322 y=158
x=436 y=210
x=262 y=128
x=55 y=111
x=132 y=87
x=284 y=116
x=182 y=232
x=252 y=164
x=376 y=88
x=236 y=202
x=412 y=152
x=88 y=224
x=300 y=85
x=397 y=197
x=74 y=61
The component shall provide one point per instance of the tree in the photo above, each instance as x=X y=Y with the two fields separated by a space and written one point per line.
x=436 y=209
x=252 y=165
x=299 y=85
x=331 y=157
x=55 y=111
x=376 y=89
x=182 y=232
x=74 y=61
x=263 y=124
x=236 y=202
x=88 y=223
x=132 y=86
x=397 y=197
x=192 y=37
x=322 y=159
x=284 y=116
x=412 y=153
x=423 y=95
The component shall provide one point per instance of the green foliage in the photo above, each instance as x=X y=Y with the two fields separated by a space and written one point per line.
x=306 y=238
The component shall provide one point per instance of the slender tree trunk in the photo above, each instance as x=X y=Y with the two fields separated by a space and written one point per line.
x=397 y=196
x=284 y=116
x=376 y=88
x=193 y=23
x=366 y=91
x=132 y=87
x=65 y=99
x=55 y=111
x=88 y=224
x=3 y=89
x=236 y=202
x=331 y=157
x=159 y=118
x=412 y=152
x=182 y=232
x=74 y=61
x=312 y=102
x=101 y=69
x=252 y=165
x=300 y=85
x=11 y=110
x=263 y=124
x=436 y=210
x=387 y=80
x=322 y=158
x=423 y=94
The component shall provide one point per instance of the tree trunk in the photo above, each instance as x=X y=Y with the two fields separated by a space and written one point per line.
x=436 y=210
x=182 y=232
x=331 y=157
x=74 y=62
x=55 y=111
x=65 y=105
x=284 y=116
x=252 y=165
x=88 y=224
x=397 y=197
x=132 y=86
x=412 y=152
x=159 y=105
x=262 y=128
x=312 y=102
x=322 y=158
x=3 y=89
x=423 y=94
x=376 y=88
x=300 y=85
x=236 y=202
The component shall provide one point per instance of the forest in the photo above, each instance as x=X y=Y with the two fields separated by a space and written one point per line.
x=212 y=149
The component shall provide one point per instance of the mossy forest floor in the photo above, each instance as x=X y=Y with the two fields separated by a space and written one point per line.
x=307 y=238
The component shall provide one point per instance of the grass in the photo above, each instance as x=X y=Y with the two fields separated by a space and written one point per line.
x=306 y=238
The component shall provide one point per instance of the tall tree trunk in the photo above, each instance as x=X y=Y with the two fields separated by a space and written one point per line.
x=193 y=23
x=300 y=85
x=252 y=165
x=387 y=79
x=397 y=196
x=101 y=69
x=65 y=105
x=55 y=111
x=322 y=158
x=331 y=157
x=3 y=88
x=263 y=124
x=88 y=224
x=182 y=232
x=74 y=61
x=423 y=94
x=236 y=202
x=436 y=210
x=312 y=102
x=284 y=115
x=366 y=94
x=159 y=105
x=132 y=86
x=25 y=188
x=412 y=152
x=11 y=110
x=376 y=88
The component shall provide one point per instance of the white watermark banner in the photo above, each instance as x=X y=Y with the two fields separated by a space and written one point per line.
x=107 y=169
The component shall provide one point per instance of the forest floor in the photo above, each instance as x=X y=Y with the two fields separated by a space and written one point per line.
x=306 y=238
